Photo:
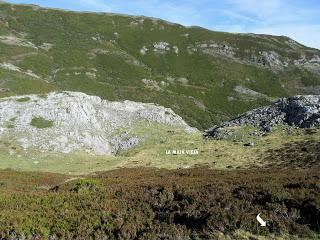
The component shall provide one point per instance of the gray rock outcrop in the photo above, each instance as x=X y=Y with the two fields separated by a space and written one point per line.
x=71 y=121
x=298 y=111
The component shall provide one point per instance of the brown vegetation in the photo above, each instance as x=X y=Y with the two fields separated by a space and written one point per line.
x=298 y=154
x=160 y=204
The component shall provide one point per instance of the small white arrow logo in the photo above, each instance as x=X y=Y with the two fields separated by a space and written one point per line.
x=260 y=220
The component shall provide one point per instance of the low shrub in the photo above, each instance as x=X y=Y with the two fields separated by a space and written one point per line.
x=40 y=122
x=161 y=204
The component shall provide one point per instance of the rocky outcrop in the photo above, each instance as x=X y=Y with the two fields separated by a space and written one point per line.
x=213 y=49
x=16 y=41
x=248 y=92
x=298 y=111
x=71 y=121
x=161 y=47
x=312 y=64
x=11 y=67
x=270 y=59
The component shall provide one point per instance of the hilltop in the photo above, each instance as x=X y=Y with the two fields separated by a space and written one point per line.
x=204 y=76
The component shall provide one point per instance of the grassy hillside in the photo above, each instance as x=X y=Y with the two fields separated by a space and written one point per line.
x=204 y=76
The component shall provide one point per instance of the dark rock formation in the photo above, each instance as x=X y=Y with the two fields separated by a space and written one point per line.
x=298 y=111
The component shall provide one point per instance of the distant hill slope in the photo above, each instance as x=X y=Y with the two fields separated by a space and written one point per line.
x=204 y=76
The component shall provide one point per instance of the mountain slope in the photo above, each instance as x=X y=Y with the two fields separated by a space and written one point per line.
x=204 y=76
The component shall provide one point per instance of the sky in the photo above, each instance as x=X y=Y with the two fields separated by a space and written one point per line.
x=298 y=19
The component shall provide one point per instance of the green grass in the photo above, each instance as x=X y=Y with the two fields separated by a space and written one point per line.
x=20 y=84
x=25 y=99
x=40 y=122
x=278 y=149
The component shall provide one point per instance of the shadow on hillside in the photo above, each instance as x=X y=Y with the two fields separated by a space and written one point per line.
x=298 y=154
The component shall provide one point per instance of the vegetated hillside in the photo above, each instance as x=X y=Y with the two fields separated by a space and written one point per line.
x=204 y=76
x=161 y=204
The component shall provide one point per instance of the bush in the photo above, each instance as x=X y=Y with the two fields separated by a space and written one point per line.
x=40 y=122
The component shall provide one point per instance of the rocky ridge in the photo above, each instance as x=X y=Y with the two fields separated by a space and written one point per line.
x=297 y=111
x=72 y=121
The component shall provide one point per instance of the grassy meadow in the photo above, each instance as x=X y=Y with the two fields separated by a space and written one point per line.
x=280 y=148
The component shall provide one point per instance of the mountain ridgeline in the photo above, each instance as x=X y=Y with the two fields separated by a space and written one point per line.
x=204 y=76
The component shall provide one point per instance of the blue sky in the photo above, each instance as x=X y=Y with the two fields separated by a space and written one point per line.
x=298 y=19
